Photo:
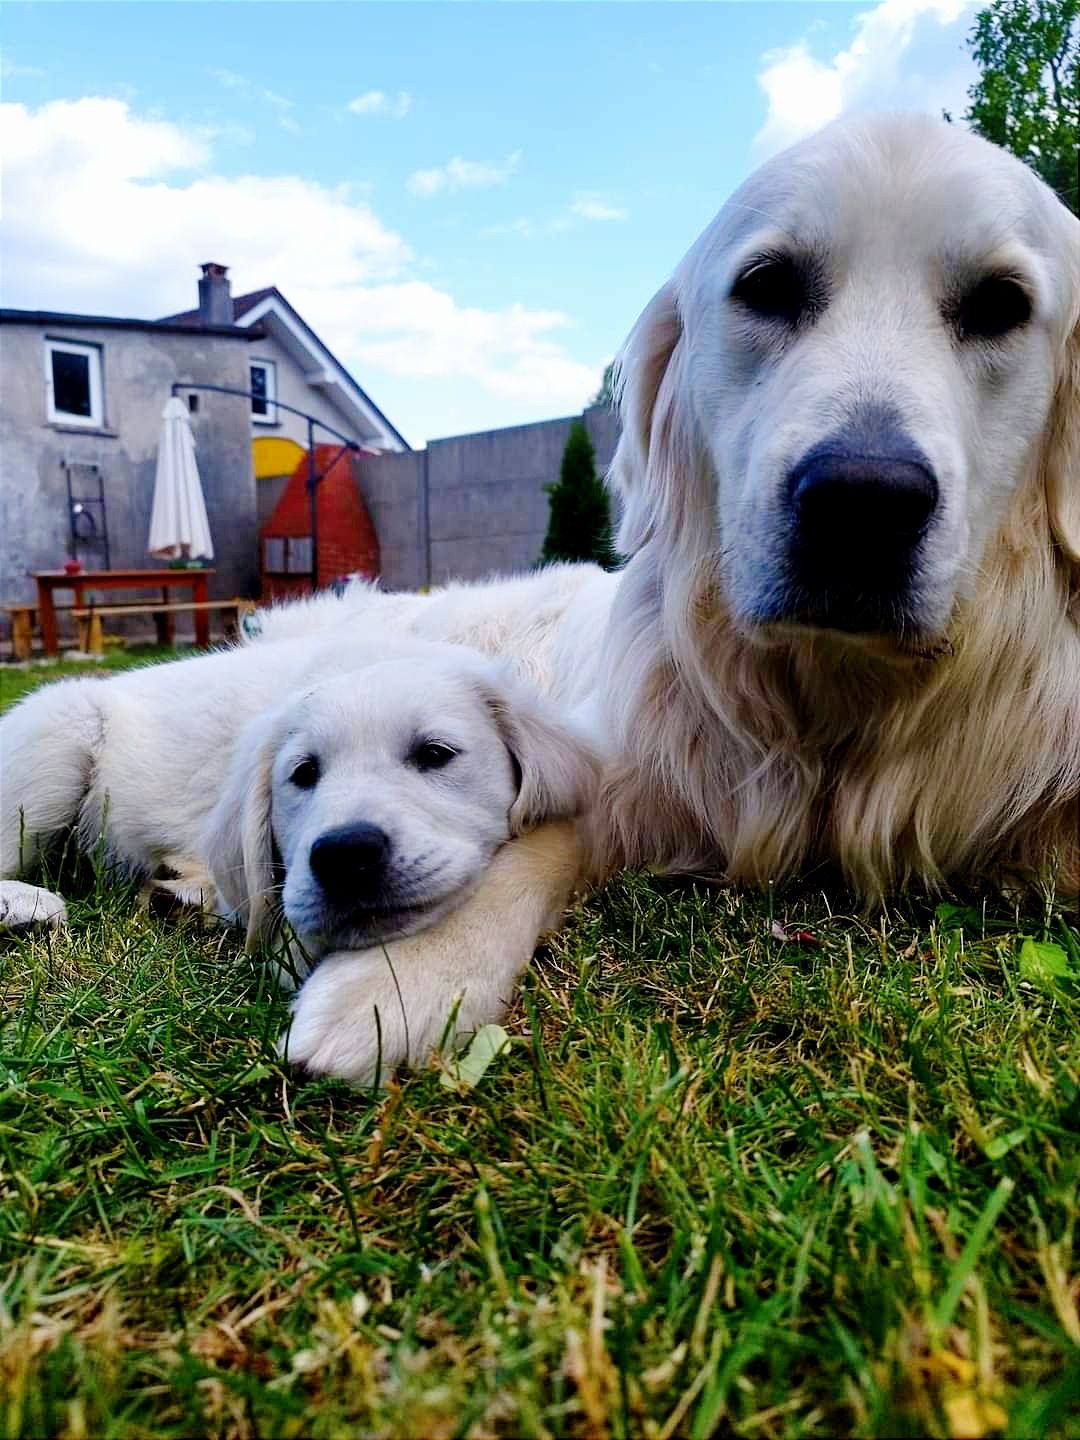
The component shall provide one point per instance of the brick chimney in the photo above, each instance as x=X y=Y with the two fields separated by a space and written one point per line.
x=215 y=295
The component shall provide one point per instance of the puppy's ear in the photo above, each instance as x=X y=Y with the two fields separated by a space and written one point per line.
x=1061 y=454
x=655 y=462
x=559 y=769
x=238 y=841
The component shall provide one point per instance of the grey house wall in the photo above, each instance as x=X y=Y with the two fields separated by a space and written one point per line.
x=138 y=368
x=296 y=387
x=486 y=508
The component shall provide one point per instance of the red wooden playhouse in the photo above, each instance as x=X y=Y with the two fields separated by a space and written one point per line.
x=347 y=542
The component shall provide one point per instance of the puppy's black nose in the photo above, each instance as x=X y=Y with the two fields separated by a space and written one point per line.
x=350 y=862
x=878 y=506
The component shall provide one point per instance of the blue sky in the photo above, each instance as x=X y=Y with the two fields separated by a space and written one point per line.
x=469 y=202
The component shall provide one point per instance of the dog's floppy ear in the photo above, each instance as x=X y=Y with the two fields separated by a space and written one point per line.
x=238 y=841
x=640 y=369
x=558 y=768
x=1061 y=453
x=660 y=470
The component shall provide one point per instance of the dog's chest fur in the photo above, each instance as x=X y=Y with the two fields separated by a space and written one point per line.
x=757 y=763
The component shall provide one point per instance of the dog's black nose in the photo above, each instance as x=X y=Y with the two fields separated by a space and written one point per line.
x=861 y=510
x=350 y=862
x=861 y=502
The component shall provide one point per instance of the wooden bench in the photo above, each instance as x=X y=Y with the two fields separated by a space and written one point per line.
x=88 y=618
x=23 y=620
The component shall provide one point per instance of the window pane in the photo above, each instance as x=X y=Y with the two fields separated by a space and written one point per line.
x=258 y=390
x=71 y=383
x=274 y=556
x=300 y=555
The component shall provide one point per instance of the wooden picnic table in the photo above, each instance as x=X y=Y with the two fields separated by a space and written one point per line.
x=49 y=581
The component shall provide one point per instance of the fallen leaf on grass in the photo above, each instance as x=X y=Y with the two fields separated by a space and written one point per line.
x=1001 y=1144
x=793 y=937
x=468 y=1070
x=971 y=1417
x=1044 y=964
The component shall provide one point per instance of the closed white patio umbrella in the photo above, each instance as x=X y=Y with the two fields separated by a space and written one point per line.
x=178 y=524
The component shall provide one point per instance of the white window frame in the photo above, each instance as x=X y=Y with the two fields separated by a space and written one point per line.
x=96 y=419
x=270 y=367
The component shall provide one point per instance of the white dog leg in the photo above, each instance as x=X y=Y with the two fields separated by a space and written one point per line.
x=47 y=745
x=27 y=907
x=472 y=960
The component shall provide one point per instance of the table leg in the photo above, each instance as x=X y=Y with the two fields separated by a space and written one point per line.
x=50 y=640
x=200 y=595
x=164 y=622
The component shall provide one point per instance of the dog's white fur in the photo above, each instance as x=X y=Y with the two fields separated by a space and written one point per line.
x=158 y=768
x=516 y=762
x=776 y=748
x=753 y=752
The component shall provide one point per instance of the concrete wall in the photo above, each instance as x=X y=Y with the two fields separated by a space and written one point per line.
x=487 y=510
x=138 y=367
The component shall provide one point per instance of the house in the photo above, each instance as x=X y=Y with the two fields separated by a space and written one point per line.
x=289 y=366
x=81 y=398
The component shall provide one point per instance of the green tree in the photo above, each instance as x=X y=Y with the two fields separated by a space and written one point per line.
x=606 y=394
x=579 y=521
x=1027 y=97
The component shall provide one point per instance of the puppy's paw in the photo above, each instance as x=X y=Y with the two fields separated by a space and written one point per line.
x=179 y=897
x=28 y=907
x=363 y=1013
x=352 y=1020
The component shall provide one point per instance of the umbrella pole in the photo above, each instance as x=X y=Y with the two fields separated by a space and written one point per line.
x=313 y=481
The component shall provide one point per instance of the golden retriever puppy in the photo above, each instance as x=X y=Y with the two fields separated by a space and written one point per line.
x=365 y=805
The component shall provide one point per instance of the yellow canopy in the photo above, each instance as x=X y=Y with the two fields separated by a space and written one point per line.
x=274 y=455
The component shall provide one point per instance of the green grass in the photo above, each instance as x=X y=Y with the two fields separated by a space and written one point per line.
x=719 y=1184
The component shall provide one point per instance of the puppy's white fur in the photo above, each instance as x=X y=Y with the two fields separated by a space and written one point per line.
x=514 y=763
x=156 y=768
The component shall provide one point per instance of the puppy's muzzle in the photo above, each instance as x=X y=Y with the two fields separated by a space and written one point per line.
x=350 y=863
x=860 y=508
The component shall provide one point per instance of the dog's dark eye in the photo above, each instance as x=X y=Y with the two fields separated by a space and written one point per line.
x=774 y=288
x=305 y=776
x=432 y=755
x=995 y=306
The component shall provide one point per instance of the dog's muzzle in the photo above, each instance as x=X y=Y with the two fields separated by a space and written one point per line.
x=860 y=505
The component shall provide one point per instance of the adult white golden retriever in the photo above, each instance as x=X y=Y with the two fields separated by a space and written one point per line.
x=849 y=628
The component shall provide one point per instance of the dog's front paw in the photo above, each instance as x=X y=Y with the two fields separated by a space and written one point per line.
x=363 y=1013
x=28 y=907
x=354 y=1021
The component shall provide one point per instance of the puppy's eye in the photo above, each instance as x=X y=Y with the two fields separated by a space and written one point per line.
x=432 y=755
x=305 y=776
x=995 y=306
x=774 y=288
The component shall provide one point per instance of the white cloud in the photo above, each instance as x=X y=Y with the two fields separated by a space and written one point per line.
x=377 y=102
x=412 y=328
x=459 y=174
x=9 y=70
x=521 y=226
x=158 y=209
x=241 y=85
x=590 y=206
x=882 y=68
